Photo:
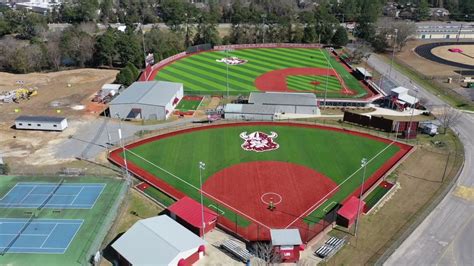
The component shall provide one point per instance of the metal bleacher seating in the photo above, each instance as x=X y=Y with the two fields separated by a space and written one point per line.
x=331 y=246
x=236 y=250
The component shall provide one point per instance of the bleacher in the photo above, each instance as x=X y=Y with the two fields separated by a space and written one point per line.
x=236 y=250
x=331 y=246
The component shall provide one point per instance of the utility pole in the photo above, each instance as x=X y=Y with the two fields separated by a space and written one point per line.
x=264 y=16
x=393 y=53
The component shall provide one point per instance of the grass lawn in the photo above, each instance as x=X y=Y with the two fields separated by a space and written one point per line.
x=375 y=196
x=188 y=105
x=337 y=155
x=159 y=196
x=95 y=221
x=200 y=73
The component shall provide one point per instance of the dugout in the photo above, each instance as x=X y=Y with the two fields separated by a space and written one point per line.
x=347 y=215
x=188 y=213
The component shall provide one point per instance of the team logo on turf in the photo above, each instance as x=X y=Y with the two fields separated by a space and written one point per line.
x=259 y=141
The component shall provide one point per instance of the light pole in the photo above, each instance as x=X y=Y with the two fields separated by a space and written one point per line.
x=393 y=52
x=227 y=71
x=327 y=79
x=202 y=166
x=363 y=163
x=264 y=16
x=412 y=109
x=127 y=176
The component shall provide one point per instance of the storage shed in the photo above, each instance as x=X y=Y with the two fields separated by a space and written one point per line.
x=46 y=123
x=159 y=241
x=287 y=243
x=148 y=100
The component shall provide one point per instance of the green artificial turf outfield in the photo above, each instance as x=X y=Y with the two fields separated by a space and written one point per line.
x=201 y=74
x=95 y=221
x=188 y=105
x=334 y=154
x=374 y=196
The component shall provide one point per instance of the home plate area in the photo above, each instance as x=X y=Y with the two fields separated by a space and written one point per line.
x=273 y=193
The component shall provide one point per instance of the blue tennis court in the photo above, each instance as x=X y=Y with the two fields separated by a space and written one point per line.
x=51 y=195
x=47 y=236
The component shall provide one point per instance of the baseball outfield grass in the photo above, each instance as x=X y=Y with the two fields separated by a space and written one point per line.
x=202 y=74
x=337 y=155
x=96 y=220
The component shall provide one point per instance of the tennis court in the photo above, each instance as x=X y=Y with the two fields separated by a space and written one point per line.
x=45 y=236
x=52 y=195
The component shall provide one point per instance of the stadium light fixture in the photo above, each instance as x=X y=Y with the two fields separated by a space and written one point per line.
x=363 y=164
x=413 y=109
x=127 y=176
x=202 y=166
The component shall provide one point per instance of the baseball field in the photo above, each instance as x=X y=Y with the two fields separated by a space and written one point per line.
x=263 y=69
x=304 y=171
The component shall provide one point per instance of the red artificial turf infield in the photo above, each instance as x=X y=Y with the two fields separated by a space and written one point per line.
x=293 y=189
x=258 y=230
x=276 y=80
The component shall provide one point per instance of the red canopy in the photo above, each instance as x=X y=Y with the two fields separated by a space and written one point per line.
x=190 y=211
x=349 y=209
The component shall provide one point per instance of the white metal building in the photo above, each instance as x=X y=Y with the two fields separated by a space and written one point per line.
x=249 y=112
x=286 y=102
x=149 y=100
x=46 y=123
x=402 y=95
x=444 y=30
x=159 y=241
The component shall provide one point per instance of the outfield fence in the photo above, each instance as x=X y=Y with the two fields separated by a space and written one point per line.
x=234 y=221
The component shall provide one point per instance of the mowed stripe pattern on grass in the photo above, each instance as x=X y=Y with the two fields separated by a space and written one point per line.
x=200 y=73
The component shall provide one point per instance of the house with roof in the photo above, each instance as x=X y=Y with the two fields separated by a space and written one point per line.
x=159 y=241
x=147 y=100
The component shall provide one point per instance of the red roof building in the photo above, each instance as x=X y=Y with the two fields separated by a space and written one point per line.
x=348 y=213
x=188 y=212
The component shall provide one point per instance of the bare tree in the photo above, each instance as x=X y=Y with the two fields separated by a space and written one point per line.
x=53 y=50
x=448 y=117
x=265 y=251
x=405 y=30
x=362 y=51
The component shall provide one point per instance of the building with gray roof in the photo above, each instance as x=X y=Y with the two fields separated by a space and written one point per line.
x=45 y=123
x=149 y=100
x=267 y=106
x=444 y=30
x=158 y=241
x=287 y=102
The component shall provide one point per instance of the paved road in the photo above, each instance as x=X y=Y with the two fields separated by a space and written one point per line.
x=446 y=236
x=95 y=137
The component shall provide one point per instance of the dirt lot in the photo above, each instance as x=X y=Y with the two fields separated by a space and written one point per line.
x=68 y=91
x=422 y=65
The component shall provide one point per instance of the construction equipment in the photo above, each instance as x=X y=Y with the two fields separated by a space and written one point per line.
x=18 y=94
